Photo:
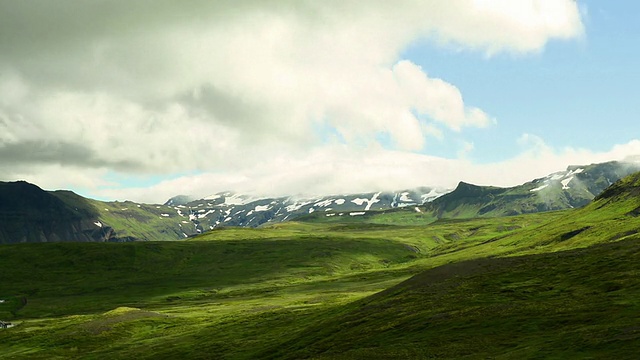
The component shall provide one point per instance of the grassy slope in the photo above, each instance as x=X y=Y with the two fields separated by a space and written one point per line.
x=576 y=304
x=143 y=222
x=243 y=293
x=572 y=304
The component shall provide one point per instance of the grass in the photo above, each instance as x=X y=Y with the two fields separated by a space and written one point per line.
x=133 y=221
x=575 y=304
x=143 y=222
x=558 y=284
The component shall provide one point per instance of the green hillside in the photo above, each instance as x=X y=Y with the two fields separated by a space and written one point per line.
x=574 y=304
x=556 y=284
x=143 y=222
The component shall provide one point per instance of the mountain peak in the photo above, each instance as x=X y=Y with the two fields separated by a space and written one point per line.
x=465 y=185
x=21 y=194
x=465 y=189
x=179 y=200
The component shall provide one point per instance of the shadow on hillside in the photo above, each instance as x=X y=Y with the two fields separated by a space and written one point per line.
x=69 y=278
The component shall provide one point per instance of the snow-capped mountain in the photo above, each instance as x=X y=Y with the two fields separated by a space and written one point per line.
x=231 y=209
x=574 y=187
x=30 y=214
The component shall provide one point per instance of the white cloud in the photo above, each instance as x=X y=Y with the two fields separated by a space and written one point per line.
x=533 y=143
x=436 y=98
x=539 y=159
x=507 y=25
x=330 y=170
x=221 y=87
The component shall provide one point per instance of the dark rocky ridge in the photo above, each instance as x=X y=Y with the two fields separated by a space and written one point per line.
x=30 y=214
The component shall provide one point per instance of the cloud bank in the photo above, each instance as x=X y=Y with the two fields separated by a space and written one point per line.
x=253 y=90
x=331 y=171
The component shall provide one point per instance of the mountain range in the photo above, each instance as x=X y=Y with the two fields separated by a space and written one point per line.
x=574 y=187
x=30 y=214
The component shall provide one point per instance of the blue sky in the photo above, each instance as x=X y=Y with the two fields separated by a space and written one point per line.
x=579 y=93
x=288 y=97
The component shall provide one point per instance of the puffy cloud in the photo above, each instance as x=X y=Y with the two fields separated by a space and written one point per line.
x=436 y=98
x=538 y=159
x=507 y=25
x=164 y=87
x=329 y=170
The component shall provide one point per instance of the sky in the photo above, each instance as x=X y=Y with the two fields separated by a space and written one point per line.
x=144 y=100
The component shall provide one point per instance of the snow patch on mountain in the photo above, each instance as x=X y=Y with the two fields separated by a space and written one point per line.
x=372 y=201
x=323 y=203
x=405 y=197
x=297 y=206
x=432 y=195
x=236 y=199
x=204 y=215
x=539 y=188
x=565 y=183
x=359 y=201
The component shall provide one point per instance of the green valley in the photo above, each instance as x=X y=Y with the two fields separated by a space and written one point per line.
x=553 y=284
